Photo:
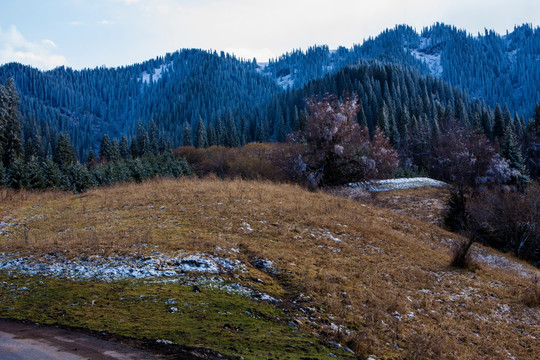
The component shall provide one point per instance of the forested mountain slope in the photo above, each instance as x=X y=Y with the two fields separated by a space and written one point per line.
x=173 y=90
x=499 y=69
x=240 y=101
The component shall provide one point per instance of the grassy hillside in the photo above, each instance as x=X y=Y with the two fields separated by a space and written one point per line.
x=314 y=273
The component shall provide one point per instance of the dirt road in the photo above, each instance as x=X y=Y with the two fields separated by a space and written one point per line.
x=19 y=341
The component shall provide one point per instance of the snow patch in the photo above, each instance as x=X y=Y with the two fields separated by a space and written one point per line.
x=155 y=76
x=286 y=82
x=398 y=184
x=428 y=56
x=119 y=267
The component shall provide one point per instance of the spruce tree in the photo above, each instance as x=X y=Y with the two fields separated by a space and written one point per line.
x=143 y=142
x=105 y=149
x=231 y=132
x=64 y=155
x=212 y=137
x=498 y=123
x=154 y=138
x=188 y=140
x=91 y=159
x=134 y=149
x=510 y=151
x=125 y=153
x=11 y=139
x=202 y=138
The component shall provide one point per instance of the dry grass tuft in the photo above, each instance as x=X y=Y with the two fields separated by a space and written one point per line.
x=372 y=279
x=461 y=255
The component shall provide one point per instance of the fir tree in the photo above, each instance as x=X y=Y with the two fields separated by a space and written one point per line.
x=498 y=123
x=188 y=140
x=106 y=149
x=11 y=139
x=143 y=142
x=154 y=138
x=212 y=137
x=125 y=153
x=64 y=155
x=201 y=139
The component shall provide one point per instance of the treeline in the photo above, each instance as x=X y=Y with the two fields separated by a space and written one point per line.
x=25 y=165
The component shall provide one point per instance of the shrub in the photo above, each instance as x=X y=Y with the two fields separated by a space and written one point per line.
x=508 y=220
x=336 y=149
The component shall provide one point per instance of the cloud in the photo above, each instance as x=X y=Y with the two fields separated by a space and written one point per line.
x=15 y=48
x=49 y=43
x=76 y=23
x=106 y=22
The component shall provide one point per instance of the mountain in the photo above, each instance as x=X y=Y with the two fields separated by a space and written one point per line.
x=241 y=101
x=498 y=69
x=174 y=89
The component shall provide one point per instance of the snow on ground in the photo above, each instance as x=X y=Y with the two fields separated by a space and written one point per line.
x=156 y=75
x=502 y=262
x=118 y=267
x=398 y=184
x=425 y=54
x=285 y=82
x=433 y=61
x=187 y=269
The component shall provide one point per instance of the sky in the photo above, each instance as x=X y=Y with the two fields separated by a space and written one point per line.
x=90 y=33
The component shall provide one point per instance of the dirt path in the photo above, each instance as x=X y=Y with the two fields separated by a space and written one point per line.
x=20 y=341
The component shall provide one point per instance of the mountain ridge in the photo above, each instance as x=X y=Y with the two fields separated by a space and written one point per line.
x=178 y=89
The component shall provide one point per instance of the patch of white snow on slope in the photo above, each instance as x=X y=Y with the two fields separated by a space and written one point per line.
x=432 y=60
x=118 y=267
x=285 y=82
x=156 y=75
x=398 y=184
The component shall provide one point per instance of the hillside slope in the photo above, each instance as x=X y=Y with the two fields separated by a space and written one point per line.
x=257 y=269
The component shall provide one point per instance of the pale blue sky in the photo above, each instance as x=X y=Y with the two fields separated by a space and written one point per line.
x=90 y=33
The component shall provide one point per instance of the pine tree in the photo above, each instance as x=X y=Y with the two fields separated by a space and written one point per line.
x=383 y=119
x=125 y=153
x=29 y=151
x=154 y=138
x=64 y=155
x=143 y=142
x=91 y=159
x=231 y=132
x=11 y=140
x=212 y=137
x=115 y=155
x=188 y=140
x=105 y=149
x=498 y=123
x=134 y=149
x=510 y=151
x=201 y=139
x=38 y=145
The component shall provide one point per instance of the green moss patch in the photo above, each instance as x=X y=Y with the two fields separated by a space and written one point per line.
x=230 y=324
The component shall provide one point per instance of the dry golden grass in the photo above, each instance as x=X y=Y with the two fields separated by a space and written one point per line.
x=426 y=203
x=387 y=281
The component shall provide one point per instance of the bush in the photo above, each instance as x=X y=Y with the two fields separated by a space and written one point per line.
x=461 y=257
x=508 y=220
x=267 y=161
x=337 y=150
